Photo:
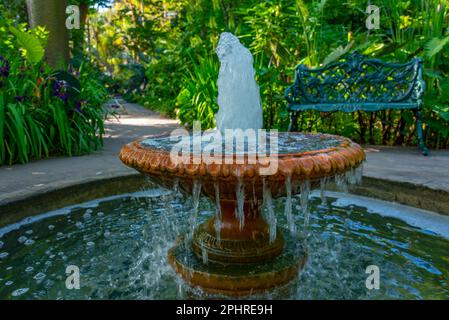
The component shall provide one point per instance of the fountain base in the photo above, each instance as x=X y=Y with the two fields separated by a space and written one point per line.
x=234 y=279
x=235 y=256
x=223 y=239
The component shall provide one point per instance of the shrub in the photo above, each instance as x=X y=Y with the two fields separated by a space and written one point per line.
x=44 y=112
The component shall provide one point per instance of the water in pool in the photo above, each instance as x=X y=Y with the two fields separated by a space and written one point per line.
x=120 y=246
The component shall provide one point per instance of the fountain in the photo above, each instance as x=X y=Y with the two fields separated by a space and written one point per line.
x=240 y=250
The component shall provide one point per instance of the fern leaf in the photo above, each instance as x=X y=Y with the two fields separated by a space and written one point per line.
x=337 y=53
x=435 y=45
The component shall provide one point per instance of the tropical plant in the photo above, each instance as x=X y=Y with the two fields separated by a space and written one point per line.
x=172 y=36
x=44 y=112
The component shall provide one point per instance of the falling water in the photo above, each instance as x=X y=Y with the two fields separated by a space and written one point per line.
x=196 y=191
x=351 y=177
x=217 y=223
x=240 y=193
x=323 y=184
x=359 y=174
x=176 y=186
x=305 y=191
x=341 y=182
x=271 y=217
x=204 y=255
x=238 y=93
x=288 y=205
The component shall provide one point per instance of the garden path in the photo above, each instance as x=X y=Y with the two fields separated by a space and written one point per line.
x=37 y=177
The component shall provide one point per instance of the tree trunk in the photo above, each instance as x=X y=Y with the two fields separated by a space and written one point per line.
x=78 y=36
x=51 y=15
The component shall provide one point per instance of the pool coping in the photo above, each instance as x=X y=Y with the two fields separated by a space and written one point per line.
x=16 y=209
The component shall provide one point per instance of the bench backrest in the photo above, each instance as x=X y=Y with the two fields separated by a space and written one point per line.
x=357 y=82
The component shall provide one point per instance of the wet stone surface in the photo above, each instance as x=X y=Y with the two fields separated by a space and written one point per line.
x=287 y=142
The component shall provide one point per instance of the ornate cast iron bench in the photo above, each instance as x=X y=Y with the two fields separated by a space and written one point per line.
x=357 y=82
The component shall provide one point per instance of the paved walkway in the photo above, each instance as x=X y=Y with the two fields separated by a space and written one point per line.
x=21 y=181
x=404 y=164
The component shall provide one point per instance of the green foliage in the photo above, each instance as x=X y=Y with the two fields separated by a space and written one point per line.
x=435 y=45
x=44 y=112
x=180 y=66
x=197 y=99
x=33 y=48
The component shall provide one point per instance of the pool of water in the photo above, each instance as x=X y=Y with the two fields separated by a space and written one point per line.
x=237 y=143
x=120 y=246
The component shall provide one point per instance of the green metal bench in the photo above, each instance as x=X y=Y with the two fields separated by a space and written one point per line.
x=355 y=83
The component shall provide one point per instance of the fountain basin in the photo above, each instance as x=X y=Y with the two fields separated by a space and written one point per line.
x=312 y=163
x=121 y=249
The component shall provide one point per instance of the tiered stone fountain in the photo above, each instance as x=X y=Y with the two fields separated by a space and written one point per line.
x=240 y=251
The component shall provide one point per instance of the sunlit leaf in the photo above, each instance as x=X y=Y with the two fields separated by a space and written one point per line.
x=31 y=44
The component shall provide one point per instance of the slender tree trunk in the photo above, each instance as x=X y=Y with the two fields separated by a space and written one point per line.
x=78 y=36
x=51 y=15
x=362 y=125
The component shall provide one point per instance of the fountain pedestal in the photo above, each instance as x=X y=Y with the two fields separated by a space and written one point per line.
x=226 y=241
x=232 y=255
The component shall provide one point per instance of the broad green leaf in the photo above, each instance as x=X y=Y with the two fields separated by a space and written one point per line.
x=31 y=44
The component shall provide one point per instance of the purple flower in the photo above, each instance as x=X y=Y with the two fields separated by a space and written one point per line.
x=21 y=98
x=79 y=105
x=73 y=71
x=60 y=90
x=4 y=68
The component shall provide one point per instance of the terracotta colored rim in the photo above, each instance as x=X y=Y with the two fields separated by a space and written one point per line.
x=306 y=165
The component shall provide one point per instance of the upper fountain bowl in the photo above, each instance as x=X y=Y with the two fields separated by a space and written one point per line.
x=300 y=157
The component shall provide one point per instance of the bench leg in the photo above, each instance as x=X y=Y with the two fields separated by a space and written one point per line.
x=419 y=130
x=293 y=121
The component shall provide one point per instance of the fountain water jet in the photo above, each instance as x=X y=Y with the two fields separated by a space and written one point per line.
x=237 y=252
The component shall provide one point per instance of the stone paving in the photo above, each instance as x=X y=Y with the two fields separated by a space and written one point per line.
x=21 y=181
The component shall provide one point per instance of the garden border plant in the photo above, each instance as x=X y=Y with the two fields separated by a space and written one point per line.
x=43 y=111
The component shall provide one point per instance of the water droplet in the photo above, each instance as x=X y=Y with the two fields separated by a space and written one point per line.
x=51 y=227
x=90 y=244
x=100 y=214
x=4 y=255
x=79 y=225
x=22 y=239
x=8 y=283
x=39 y=276
x=19 y=292
x=87 y=216
x=29 y=242
x=29 y=269
x=28 y=232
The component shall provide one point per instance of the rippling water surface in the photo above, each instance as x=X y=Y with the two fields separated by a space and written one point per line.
x=120 y=246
